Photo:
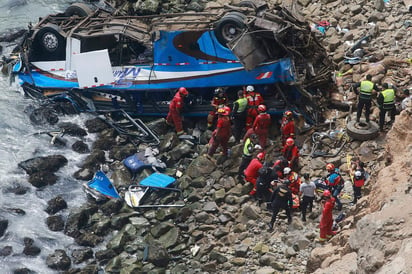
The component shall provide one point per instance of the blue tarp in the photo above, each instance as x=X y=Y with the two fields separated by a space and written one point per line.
x=157 y=180
x=102 y=184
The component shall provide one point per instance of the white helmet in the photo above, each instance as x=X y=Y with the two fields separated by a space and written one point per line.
x=286 y=170
x=358 y=173
x=250 y=88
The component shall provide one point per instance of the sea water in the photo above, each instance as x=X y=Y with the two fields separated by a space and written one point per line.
x=19 y=142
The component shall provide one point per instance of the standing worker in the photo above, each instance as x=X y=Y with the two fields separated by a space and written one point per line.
x=261 y=125
x=263 y=183
x=386 y=102
x=359 y=179
x=291 y=153
x=335 y=182
x=175 y=108
x=281 y=199
x=222 y=133
x=239 y=115
x=365 y=92
x=219 y=100
x=254 y=99
x=287 y=126
x=307 y=188
x=326 y=220
x=251 y=145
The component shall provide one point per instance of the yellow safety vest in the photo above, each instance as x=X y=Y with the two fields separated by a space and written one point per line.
x=366 y=88
x=242 y=102
x=246 y=151
x=388 y=98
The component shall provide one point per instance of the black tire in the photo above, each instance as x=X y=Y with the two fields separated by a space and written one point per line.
x=362 y=131
x=248 y=4
x=49 y=44
x=230 y=26
x=79 y=9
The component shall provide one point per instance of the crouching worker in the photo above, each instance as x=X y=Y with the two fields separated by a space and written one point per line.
x=281 y=199
x=326 y=220
x=252 y=171
x=263 y=183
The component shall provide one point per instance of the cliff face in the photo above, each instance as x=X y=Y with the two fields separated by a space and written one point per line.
x=381 y=238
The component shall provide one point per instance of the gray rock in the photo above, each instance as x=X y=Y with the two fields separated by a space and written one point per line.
x=268 y=270
x=78 y=219
x=88 y=239
x=118 y=242
x=161 y=229
x=210 y=207
x=164 y=214
x=241 y=250
x=58 y=260
x=157 y=255
x=80 y=147
x=103 y=256
x=170 y=238
x=200 y=166
x=220 y=258
x=55 y=205
x=43 y=164
x=250 y=212
x=55 y=223
x=6 y=251
x=82 y=255
x=219 y=195
x=139 y=221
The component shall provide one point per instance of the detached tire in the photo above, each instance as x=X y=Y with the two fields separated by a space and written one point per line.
x=362 y=131
x=78 y=9
x=230 y=26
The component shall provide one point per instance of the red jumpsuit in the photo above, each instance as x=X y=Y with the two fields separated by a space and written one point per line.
x=261 y=128
x=216 y=103
x=287 y=129
x=291 y=153
x=174 y=117
x=252 y=173
x=295 y=182
x=254 y=99
x=221 y=135
x=326 y=220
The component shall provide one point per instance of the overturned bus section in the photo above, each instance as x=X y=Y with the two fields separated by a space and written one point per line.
x=98 y=60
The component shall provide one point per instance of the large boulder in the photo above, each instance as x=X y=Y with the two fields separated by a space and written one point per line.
x=58 y=260
x=55 y=205
x=50 y=163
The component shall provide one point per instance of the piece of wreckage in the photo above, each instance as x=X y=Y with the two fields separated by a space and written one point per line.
x=101 y=60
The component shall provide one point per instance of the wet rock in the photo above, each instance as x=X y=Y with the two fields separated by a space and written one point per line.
x=94 y=160
x=3 y=226
x=23 y=271
x=43 y=164
x=42 y=178
x=88 y=239
x=6 y=251
x=82 y=255
x=58 y=260
x=55 y=223
x=55 y=205
x=157 y=255
x=80 y=147
x=29 y=248
x=78 y=219
x=96 y=125
x=84 y=174
x=16 y=211
x=72 y=129
x=103 y=256
x=111 y=207
x=16 y=189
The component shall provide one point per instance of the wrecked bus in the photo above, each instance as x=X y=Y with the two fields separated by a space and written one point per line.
x=101 y=60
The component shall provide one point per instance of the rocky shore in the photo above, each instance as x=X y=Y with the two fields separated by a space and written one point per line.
x=221 y=229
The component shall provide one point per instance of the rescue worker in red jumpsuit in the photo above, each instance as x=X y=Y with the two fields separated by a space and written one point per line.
x=219 y=100
x=254 y=99
x=260 y=126
x=279 y=166
x=222 y=133
x=252 y=171
x=326 y=221
x=175 y=108
x=294 y=180
x=287 y=127
x=291 y=153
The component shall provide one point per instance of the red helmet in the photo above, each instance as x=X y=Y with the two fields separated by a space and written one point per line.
x=326 y=193
x=290 y=142
x=183 y=91
x=261 y=108
x=260 y=156
x=330 y=167
x=224 y=110
x=288 y=113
